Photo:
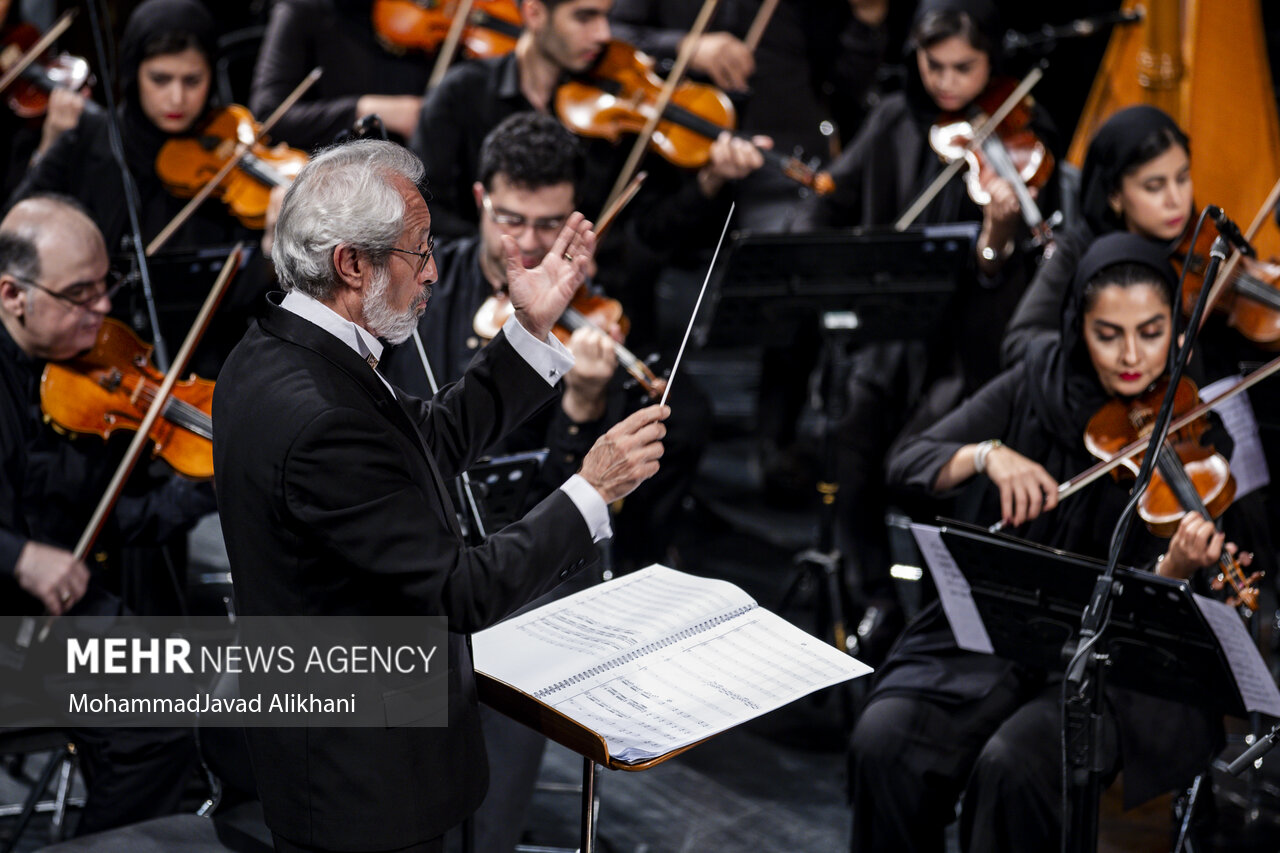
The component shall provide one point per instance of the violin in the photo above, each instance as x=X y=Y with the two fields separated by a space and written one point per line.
x=492 y=27
x=111 y=387
x=1190 y=476
x=28 y=95
x=620 y=93
x=1012 y=152
x=186 y=163
x=1251 y=300
x=586 y=309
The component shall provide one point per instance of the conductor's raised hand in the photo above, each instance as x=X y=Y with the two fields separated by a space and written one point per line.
x=540 y=295
x=626 y=455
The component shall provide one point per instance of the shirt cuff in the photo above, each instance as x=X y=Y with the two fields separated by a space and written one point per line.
x=595 y=512
x=551 y=359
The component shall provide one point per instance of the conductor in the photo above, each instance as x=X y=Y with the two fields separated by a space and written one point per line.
x=332 y=497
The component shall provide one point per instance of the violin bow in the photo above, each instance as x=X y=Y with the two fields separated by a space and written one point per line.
x=1015 y=97
x=756 y=31
x=710 y=268
x=451 y=41
x=234 y=160
x=33 y=52
x=611 y=212
x=664 y=98
x=1224 y=277
x=142 y=436
x=1067 y=488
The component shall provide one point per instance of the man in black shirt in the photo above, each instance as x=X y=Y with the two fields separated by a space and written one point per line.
x=674 y=212
x=54 y=292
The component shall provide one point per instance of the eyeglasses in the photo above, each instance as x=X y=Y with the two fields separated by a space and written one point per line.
x=82 y=294
x=516 y=222
x=422 y=257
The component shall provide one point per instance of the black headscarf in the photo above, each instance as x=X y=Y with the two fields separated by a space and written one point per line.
x=952 y=204
x=1112 y=153
x=149 y=22
x=1063 y=384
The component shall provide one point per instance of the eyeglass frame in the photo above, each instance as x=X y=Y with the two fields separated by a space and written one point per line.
x=516 y=222
x=119 y=280
x=423 y=257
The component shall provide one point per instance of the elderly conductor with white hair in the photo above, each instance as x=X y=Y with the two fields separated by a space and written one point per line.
x=331 y=490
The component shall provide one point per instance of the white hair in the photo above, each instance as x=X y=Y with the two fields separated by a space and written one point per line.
x=345 y=195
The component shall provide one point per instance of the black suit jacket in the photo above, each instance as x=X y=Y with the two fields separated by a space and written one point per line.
x=332 y=502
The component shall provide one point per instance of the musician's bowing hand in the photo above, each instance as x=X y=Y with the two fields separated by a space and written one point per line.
x=52 y=575
x=586 y=385
x=540 y=295
x=626 y=455
x=1026 y=488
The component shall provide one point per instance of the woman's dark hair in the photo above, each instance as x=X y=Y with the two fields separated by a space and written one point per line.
x=1126 y=274
x=1152 y=146
x=175 y=42
x=941 y=24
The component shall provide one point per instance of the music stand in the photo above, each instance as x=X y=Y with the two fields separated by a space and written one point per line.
x=1158 y=641
x=501 y=486
x=861 y=285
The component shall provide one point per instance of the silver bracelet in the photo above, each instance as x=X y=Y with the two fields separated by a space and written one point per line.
x=983 y=451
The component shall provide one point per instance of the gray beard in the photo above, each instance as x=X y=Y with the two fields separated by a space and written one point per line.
x=380 y=317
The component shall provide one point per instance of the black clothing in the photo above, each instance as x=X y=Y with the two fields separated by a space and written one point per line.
x=1039 y=409
x=302 y=34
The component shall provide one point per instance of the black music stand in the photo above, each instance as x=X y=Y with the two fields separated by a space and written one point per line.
x=1158 y=641
x=857 y=285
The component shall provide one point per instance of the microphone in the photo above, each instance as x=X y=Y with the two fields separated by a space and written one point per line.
x=1230 y=231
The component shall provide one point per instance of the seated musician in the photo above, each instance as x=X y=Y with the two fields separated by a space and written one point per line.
x=167 y=56
x=55 y=289
x=675 y=211
x=363 y=75
x=894 y=388
x=945 y=724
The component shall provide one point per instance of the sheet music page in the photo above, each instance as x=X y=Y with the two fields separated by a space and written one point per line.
x=704 y=684
x=538 y=649
x=1257 y=689
x=953 y=590
x=1248 y=462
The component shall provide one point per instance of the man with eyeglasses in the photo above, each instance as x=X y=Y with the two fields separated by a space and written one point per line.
x=55 y=290
x=330 y=485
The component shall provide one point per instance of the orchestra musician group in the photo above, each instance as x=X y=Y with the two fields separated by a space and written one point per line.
x=445 y=175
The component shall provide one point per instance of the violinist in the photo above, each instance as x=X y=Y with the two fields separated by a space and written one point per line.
x=944 y=724
x=26 y=140
x=167 y=55
x=362 y=76
x=55 y=289
x=1137 y=179
x=895 y=387
x=674 y=212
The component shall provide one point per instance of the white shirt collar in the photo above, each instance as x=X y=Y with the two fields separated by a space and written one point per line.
x=355 y=336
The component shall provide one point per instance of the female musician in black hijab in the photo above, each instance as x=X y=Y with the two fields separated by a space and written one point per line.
x=1136 y=178
x=895 y=387
x=944 y=724
x=167 y=55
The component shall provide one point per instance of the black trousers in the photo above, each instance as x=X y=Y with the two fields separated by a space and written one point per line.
x=912 y=758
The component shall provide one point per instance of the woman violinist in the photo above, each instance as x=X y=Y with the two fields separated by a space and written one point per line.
x=167 y=55
x=944 y=724
x=892 y=386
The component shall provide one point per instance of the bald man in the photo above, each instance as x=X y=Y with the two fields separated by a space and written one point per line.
x=55 y=290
